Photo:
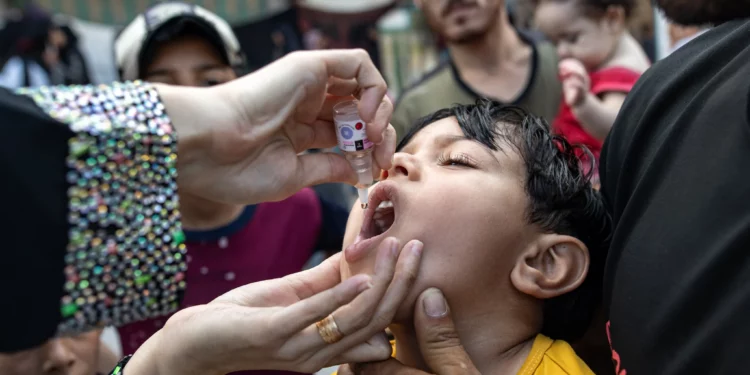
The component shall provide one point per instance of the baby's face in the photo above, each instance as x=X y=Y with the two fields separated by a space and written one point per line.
x=576 y=35
x=465 y=202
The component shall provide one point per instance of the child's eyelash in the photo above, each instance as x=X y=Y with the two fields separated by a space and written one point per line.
x=461 y=160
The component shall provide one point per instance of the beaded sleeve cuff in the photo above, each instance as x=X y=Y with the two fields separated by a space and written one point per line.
x=125 y=259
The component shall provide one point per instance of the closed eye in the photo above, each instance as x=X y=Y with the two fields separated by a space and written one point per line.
x=456 y=160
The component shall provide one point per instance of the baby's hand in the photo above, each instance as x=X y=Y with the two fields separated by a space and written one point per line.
x=575 y=81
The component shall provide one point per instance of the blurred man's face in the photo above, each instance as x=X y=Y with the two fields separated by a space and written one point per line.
x=702 y=12
x=188 y=61
x=65 y=356
x=461 y=21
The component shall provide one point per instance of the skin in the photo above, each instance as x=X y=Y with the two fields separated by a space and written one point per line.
x=231 y=138
x=678 y=32
x=192 y=61
x=584 y=44
x=461 y=22
x=485 y=48
x=492 y=266
x=64 y=356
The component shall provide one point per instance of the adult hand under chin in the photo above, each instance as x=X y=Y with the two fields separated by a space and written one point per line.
x=438 y=340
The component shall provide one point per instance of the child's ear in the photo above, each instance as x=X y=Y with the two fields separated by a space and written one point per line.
x=553 y=265
x=614 y=19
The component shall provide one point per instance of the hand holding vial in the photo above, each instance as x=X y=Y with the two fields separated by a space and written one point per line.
x=261 y=124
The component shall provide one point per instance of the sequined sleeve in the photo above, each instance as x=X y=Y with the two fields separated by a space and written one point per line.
x=125 y=257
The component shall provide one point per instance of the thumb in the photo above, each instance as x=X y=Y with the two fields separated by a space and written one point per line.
x=438 y=338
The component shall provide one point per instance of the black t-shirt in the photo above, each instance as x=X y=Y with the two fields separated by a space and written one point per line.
x=676 y=174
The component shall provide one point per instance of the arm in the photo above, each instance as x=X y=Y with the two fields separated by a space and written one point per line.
x=598 y=115
x=90 y=184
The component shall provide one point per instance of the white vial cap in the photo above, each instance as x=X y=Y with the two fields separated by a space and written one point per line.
x=363 y=199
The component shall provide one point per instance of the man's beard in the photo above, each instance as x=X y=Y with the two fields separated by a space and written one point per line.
x=704 y=12
x=468 y=37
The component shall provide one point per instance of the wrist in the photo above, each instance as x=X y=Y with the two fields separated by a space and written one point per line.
x=190 y=114
x=185 y=108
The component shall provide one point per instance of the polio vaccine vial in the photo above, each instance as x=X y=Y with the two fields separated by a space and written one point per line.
x=353 y=142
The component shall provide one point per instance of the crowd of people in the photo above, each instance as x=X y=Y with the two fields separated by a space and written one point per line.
x=557 y=179
x=39 y=49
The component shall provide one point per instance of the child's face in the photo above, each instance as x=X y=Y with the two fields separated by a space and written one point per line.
x=63 y=356
x=575 y=34
x=465 y=202
x=189 y=61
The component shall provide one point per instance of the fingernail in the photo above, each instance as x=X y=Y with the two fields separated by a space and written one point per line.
x=434 y=304
x=365 y=284
x=394 y=247
x=416 y=247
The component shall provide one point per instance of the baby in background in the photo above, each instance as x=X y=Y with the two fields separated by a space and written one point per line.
x=599 y=63
x=514 y=236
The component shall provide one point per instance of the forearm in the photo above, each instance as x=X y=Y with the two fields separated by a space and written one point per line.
x=595 y=116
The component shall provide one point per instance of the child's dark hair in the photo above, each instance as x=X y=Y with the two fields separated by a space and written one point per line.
x=562 y=198
x=596 y=8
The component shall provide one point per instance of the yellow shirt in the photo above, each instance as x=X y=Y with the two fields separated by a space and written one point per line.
x=553 y=357
x=549 y=357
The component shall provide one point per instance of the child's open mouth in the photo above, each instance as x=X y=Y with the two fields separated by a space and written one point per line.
x=378 y=219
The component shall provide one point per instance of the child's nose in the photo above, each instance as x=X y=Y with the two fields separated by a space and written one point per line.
x=405 y=165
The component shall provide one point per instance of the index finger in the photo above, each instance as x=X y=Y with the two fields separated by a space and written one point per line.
x=317 y=279
x=356 y=63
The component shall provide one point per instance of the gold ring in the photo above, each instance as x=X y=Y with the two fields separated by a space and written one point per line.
x=329 y=331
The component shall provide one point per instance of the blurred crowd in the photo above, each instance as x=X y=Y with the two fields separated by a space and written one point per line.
x=38 y=49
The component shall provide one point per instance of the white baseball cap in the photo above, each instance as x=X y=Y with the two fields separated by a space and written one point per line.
x=131 y=45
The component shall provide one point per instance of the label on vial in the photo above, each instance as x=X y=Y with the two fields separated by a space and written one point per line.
x=351 y=136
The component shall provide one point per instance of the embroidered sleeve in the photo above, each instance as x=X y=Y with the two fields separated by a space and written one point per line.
x=125 y=258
